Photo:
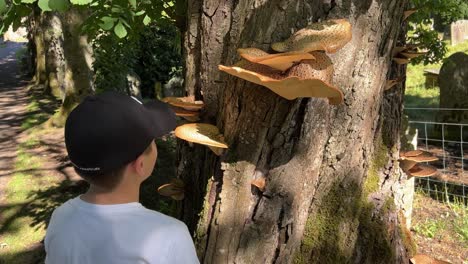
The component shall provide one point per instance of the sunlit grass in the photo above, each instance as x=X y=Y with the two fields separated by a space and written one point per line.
x=17 y=233
x=454 y=222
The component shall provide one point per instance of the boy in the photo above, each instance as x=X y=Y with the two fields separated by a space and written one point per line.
x=110 y=142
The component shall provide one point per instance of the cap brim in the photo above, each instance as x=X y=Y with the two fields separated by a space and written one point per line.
x=163 y=117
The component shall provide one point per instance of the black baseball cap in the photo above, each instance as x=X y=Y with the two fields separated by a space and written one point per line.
x=109 y=130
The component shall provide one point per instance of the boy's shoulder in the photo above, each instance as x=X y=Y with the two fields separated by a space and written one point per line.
x=136 y=213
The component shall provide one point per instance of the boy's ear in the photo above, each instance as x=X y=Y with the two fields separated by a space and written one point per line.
x=138 y=165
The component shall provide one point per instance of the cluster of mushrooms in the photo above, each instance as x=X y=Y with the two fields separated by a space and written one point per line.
x=301 y=68
x=410 y=163
x=403 y=54
x=200 y=133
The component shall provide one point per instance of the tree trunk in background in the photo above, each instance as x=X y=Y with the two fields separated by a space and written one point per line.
x=36 y=27
x=55 y=60
x=333 y=185
x=77 y=63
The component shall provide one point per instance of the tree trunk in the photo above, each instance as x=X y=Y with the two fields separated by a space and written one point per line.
x=333 y=185
x=55 y=62
x=77 y=62
x=36 y=26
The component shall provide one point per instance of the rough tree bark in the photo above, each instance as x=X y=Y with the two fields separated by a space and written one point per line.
x=73 y=66
x=334 y=189
x=55 y=59
x=36 y=33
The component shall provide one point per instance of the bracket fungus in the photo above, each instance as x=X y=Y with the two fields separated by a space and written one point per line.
x=390 y=83
x=191 y=116
x=409 y=163
x=425 y=259
x=174 y=189
x=421 y=170
x=330 y=36
x=310 y=78
x=260 y=183
x=408 y=13
x=412 y=54
x=278 y=61
x=187 y=103
x=401 y=61
x=205 y=134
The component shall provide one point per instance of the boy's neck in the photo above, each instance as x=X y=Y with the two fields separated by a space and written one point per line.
x=98 y=195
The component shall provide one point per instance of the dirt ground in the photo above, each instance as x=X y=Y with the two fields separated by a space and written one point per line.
x=445 y=245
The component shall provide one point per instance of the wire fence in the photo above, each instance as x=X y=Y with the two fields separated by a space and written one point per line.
x=448 y=140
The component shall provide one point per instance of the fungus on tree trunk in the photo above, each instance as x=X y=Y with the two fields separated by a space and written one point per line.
x=191 y=116
x=310 y=78
x=409 y=163
x=408 y=13
x=390 y=83
x=174 y=189
x=330 y=35
x=205 y=134
x=279 y=61
x=187 y=103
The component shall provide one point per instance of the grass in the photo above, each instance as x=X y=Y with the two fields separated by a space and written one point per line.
x=18 y=235
x=452 y=223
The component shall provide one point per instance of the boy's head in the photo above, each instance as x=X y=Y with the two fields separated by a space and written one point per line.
x=111 y=134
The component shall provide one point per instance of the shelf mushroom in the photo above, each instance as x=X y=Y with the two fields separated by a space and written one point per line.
x=400 y=60
x=412 y=54
x=330 y=36
x=310 y=78
x=408 y=13
x=191 y=116
x=187 y=103
x=260 y=183
x=403 y=54
x=390 y=83
x=409 y=163
x=174 y=189
x=425 y=259
x=278 y=61
x=205 y=134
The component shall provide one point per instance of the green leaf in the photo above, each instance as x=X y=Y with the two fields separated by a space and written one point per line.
x=107 y=23
x=81 y=2
x=44 y=5
x=139 y=13
x=133 y=3
x=146 y=20
x=120 y=30
x=59 y=5
x=3 y=6
x=28 y=1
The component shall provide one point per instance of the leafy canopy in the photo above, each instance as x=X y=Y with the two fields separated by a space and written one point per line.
x=122 y=17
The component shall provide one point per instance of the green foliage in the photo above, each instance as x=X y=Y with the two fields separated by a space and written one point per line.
x=420 y=30
x=113 y=60
x=154 y=55
x=128 y=16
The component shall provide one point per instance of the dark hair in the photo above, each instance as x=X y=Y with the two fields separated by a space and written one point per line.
x=107 y=179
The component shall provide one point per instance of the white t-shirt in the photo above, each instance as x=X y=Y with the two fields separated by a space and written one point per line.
x=81 y=233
